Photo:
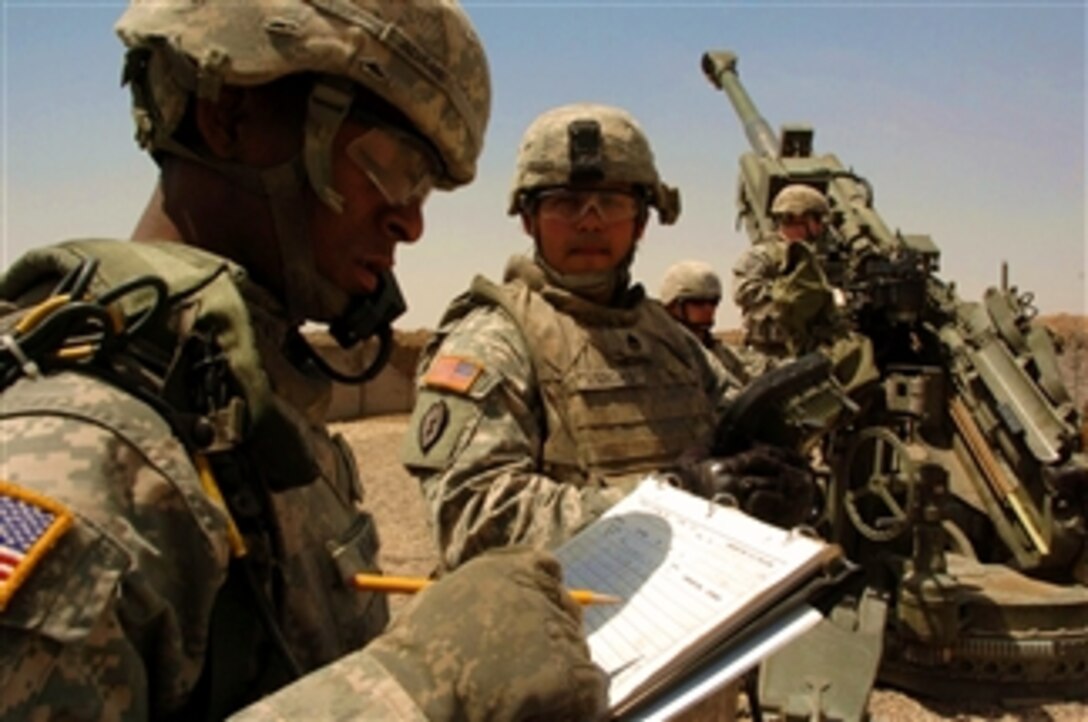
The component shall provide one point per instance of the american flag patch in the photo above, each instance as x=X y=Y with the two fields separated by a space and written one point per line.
x=453 y=373
x=30 y=525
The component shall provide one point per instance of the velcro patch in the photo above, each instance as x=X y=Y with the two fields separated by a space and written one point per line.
x=30 y=524
x=453 y=373
x=432 y=424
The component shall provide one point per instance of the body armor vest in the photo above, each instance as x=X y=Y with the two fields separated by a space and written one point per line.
x=620 y=391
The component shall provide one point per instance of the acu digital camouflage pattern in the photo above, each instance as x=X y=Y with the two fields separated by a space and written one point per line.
x=497 y=640
x=544 y=157
x=71 y=640
x=117 y=621
x=423 y=57
x=696 y=280
x=574 y=403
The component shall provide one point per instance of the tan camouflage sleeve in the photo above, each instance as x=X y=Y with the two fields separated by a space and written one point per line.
x=111 y=620
x=753 y=278
x=354 y=687
x=437 y=665
x=476 y=451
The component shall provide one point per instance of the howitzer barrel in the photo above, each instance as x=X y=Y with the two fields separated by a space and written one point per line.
x=721 y=69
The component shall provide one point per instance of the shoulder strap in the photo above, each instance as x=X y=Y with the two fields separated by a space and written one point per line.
x=168 y=325
x=201 y=294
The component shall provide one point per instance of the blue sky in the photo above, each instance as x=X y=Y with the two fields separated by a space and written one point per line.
x=968 y=118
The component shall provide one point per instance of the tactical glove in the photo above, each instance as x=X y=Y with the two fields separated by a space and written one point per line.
x=497 y=639
x=771 y=483
x=802 y=295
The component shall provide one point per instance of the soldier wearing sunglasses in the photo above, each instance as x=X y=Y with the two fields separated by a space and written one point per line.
x=544 y=399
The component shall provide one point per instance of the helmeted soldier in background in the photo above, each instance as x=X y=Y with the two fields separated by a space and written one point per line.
x=180 y=532
x=691 y=292
x=543 y=400
x=779 y=285
x=788 y=305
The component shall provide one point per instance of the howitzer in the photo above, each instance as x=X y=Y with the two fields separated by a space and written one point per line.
x=962 y=486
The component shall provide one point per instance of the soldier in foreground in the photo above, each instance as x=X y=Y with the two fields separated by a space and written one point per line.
x=691 y=292
x=180 y=532
x=542 y=401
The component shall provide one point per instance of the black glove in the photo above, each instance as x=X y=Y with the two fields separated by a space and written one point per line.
x=497 y=639
x=771 y=483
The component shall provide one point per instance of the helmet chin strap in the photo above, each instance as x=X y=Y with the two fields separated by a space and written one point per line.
x=311 y=297
x=308 y=295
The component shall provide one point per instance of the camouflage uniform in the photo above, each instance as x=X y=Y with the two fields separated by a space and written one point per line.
x=696 y=281
x=784 y=296
x=787 y=305
x=190 y=491
x=568 y=403
x=541 y=401
x=148 y=555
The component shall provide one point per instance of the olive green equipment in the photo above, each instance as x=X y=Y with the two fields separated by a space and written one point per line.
x=959 y=482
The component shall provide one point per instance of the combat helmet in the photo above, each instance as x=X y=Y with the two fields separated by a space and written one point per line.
x=690 y=280
x=798 y=199
x=423 y=58
x=586 y=143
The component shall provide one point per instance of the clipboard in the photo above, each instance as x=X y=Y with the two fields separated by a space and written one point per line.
x=694 y=576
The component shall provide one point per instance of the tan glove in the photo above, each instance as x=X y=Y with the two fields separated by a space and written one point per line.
x=497 y=639
x=802 y=295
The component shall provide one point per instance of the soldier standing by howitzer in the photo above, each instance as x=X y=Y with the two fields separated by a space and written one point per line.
x=779 y=284
x=691 y=292
x=788 y=305
x=541 y=401
x=180 y=532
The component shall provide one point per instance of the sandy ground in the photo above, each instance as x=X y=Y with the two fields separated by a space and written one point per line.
x=395 y=499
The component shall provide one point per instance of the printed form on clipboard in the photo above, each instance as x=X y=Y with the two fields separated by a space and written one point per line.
x=691 y=574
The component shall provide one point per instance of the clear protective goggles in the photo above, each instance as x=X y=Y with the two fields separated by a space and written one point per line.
x=402 y=167
x=568 y=204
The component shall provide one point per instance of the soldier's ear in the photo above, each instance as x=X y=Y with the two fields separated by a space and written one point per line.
x=218 y=122
x=640 y=228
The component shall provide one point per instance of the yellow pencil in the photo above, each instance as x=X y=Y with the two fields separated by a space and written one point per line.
x=411 y=585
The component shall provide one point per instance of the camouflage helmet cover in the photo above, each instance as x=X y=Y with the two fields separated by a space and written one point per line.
x=690 y=280
x=798 y=199
x=422 y=57
x=545 y=159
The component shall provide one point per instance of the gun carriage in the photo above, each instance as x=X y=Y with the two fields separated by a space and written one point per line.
x=959 y=484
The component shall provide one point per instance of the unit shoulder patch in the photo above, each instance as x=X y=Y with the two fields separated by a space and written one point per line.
x=453 y=373
x=30 y=524
x=432 y=424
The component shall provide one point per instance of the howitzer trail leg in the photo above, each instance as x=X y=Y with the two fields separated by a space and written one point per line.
x=828 y=673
